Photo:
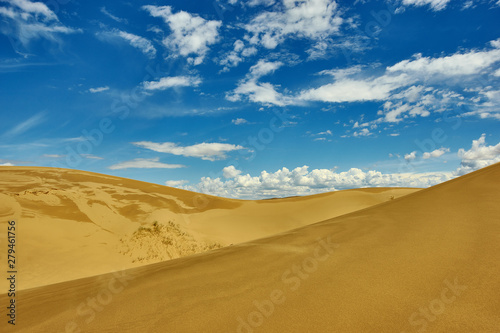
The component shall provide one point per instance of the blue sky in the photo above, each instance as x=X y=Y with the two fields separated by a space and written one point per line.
x=252 y=99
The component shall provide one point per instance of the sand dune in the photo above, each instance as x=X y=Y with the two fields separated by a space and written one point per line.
x=75 y=224
x=426 y=262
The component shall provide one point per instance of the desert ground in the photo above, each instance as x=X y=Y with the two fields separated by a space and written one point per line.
x=98 y=253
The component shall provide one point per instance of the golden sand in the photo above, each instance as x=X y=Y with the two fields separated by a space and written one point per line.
x=348 y=261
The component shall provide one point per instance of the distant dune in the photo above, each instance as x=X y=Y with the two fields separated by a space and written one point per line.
x=428 y=261
x=75 y=224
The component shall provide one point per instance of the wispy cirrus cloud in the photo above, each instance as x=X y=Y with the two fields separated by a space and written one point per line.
x=113 y=17
x=142 y=44
x=26 y=21
x=435 y=5
x=26 y=125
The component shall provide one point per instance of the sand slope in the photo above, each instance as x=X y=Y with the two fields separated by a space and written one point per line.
x=428 y=262
x=74 y=224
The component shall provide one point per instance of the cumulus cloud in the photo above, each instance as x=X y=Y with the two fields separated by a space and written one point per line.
x=302 y=181
x=435 y=153
x=237 y=55
x=98 y=89
x=311 y=19
x=411 y=156
x=27 y=21
x=230 y=172
x=478 y=156
x=191 y=35
x=171 y=82
x=205 y=151
x=362 y=132
x=144 y=163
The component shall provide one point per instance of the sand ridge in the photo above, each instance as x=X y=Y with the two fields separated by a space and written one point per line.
x=428 y=261
x=75 y=224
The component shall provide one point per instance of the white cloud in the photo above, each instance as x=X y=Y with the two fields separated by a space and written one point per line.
x=145 y=163
x=258 y=92
x=263 y=68
x=31 y=20
x=26 y=125
x=417 y=87
x=139 y=42
x=301 y=181
x=98 y=89
x=7 y=164
x=171 y=82
x=311 y=19
x=255 y=3
x=459 y=64
x=36 y=8
x=239 y=121
x=53 y=156
x=435 y=5
x=435 y=153
x=92 y=157
x=327 y=132
x=411 y=156
x=363 y=132
x=113 y=17
x=237 y=55
x=190 y=33
x=230 y=172
x=478 y=156
x=355 y=90
x=175 y=183
x=205 y=151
